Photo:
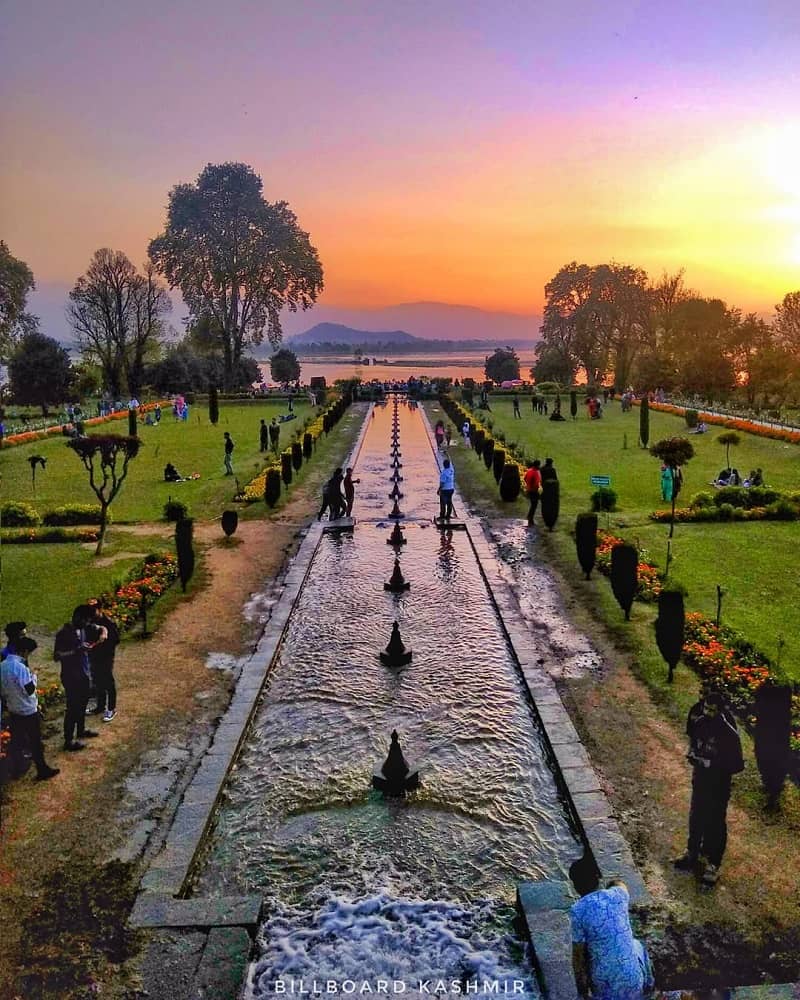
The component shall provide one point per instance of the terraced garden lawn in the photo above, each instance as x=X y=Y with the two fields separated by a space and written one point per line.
x=755 y=563
x=193 y=446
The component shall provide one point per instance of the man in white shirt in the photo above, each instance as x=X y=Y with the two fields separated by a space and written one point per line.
x=18 y=692
x=447 y=485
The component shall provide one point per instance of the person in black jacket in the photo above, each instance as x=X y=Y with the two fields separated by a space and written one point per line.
x=101 y=660
x=72 y=651
x=715 y=753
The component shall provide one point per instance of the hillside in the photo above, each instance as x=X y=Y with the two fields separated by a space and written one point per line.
x=337 y=333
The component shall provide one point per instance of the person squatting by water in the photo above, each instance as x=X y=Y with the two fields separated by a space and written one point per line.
x=608 y=961
x=332 y=498
x=715 y=753
x=447 y=485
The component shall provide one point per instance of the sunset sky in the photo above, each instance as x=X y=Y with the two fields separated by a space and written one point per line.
x=452 y=151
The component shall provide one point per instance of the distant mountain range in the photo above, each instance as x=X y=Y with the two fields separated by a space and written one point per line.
x=336 y=338
x=425 y=320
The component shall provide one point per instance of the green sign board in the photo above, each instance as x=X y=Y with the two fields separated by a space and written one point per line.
x=600 y=480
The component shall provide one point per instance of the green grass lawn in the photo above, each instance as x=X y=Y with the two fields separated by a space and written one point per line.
x=194 y=446
x=43 y=583
x=754 y=563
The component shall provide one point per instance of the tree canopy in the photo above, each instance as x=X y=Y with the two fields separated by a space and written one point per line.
x=503 y=365
x=119 y=318
x=39 y=372
x=284 y=366
x=237 y=258
x=16 y=283
x=106 y=458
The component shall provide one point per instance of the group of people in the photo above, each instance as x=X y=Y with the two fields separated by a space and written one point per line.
x=731 y=477
x=338 y=495
x=442 y=435
x=85 y=647
x=269 y=436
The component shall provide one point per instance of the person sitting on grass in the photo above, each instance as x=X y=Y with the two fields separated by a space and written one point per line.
x=724 y=478
x=171 y=474
x=756 y=478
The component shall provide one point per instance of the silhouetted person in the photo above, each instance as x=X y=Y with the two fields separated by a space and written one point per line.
x=71 y=649
x=349 y=491
x=263 y=436
x=275 y=435
x=229 y=446
x=548 y=471
x=515 y=404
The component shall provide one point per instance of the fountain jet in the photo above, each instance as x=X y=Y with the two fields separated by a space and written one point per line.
x=397 y=583
x=394 y=778
x=396 y=654
x=397 y=537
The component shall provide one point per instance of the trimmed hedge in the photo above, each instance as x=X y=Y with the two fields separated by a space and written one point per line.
x=18 y=515
x=74 y=513
x=28 y=536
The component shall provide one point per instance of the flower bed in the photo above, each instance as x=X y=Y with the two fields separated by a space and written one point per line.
x=723 y=656
x=27 y=436
x=144 y=587
x=28 y=536
x=734 y=423
x=648 y=581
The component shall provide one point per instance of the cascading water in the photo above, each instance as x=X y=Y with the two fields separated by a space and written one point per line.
x=359 y=888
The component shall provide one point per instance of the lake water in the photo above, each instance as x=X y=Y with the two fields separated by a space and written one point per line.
x=455 y=365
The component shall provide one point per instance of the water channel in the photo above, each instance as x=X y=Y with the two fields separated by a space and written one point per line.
x=358 y=887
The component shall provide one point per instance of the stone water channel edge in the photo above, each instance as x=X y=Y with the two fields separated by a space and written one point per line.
x=229 y=923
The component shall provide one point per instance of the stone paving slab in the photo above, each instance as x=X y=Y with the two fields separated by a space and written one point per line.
x=224 y=963
x=581 y=779
x=569 y=755
x=152 y=910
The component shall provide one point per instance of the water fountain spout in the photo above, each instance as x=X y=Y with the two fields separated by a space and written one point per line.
x=395 y=777
x=397 y=583
x=395 y=494
x=397 y=537
x=396 y=653
x=396 y=513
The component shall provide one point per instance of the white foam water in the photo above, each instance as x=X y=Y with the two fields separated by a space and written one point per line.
x=381 y=945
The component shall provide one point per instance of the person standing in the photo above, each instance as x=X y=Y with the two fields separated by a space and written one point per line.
x=275 y=435
x=608 y=961
x=533 y=487
x=18 y=695
x=465 y=429
x=72 y=651
x=447 y=485
x=263 y=436
x=229 y=446
x=715 y=753
x=349 y=491
x=101 y=661
x=548 y=471
x=515 y=404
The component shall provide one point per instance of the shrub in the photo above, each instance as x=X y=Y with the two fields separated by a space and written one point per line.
x=272 y=487
x=669 y=626
x=551 y=502
x=479 y=440
x=624 y=575
x=488 y=452
x=229 y=521
x=782 y=510
x=23 y=536
x=734 y=496
x=701 y=500
x=74 y=513
x=761 y=496
x=586 y=541
x=644 y=421
x=297 y=455
x=213 y=405
x=725 y=512
x=286 y=467
x=604 y=498
x=18 y=515
x=308 y=445
x=175 y=510
x=692 y=418
x=184 y=549
x=498 y=461
x=510 y=482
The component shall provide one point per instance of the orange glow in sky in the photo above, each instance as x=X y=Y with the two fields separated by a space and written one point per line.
x=448 y=154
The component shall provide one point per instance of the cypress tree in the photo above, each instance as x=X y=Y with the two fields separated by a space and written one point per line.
x=644 y=421
x=184 y=550
x=213 y=405
x=286 y=467
x=624 y=575
x=297 y=455
x=586 y=541
x=272 y=487
x=510 y=482
x=230 y=521
x=550 y=502
x=308 y=445
x=669 y=626
x=498 y=462
x=773 y=729
x=573 y=404
x=488 y=451
x=133 y=428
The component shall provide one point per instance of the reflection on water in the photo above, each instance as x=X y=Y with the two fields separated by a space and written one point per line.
x=301 y=824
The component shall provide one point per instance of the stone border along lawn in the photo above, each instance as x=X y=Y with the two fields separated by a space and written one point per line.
x=737 y=920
